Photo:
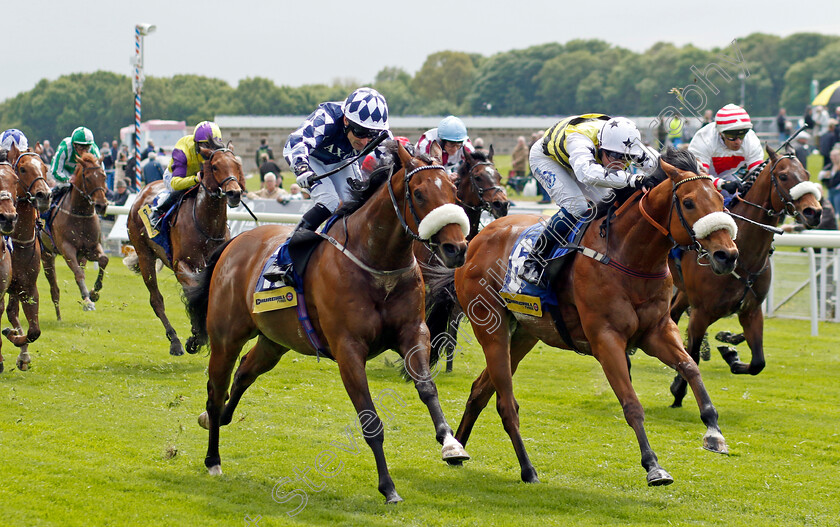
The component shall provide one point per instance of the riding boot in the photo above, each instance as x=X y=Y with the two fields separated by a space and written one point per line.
x=58 y=190
x=163 y=207
x=311 y=220
x=558 y=228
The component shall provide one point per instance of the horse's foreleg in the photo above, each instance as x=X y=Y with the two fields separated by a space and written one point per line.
x=260 y=359
x=753 y=323
x=146 y=261
x=102 y=260
x=698 y=323
x=220 y=366
x=72 y=259
x=667 y=347
x=48 y=260
x=609 y=348
x=679 y=303
x=414 y=349
x=29 y=300
x=351 y=363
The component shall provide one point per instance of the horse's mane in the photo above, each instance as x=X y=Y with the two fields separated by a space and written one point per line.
x=681 y=159
x=388 y=164
x=478 y=156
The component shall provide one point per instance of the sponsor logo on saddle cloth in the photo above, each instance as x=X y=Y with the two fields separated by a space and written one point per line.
x=270 y=296
x=520 y=296
x=145 y=212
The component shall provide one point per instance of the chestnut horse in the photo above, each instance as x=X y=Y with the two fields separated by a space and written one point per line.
x=606 y=308
x=479 y=188
x=74 y=231
x=363 y=298
x=33 y=196
x=781 y=187
x=196 y=229
x=8 y=218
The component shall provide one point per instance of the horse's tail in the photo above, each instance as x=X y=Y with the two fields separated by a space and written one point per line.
x=197 y=298
x=442 y=313
x=132 y=261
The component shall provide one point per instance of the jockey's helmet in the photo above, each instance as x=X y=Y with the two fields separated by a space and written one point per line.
x=620 y=136
x=367 y=108
x=13 y=136
x=732 y=117
x=452 y=129
x=207 y=132
x=82 y=136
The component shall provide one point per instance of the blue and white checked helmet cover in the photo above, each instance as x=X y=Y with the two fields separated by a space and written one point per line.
x=13 y=136
x=367 y=107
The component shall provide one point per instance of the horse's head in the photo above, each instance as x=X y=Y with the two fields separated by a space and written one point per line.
x=429 y=208
x=697 y=217
x=89 y=180
x=32 y=176
x=8 y=197
x=480 y=184
x=793 y=192
x=222 y=174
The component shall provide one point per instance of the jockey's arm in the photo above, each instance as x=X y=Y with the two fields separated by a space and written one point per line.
x=57 y=170
x=309 y=136
x=587 y=169
x=179 y=179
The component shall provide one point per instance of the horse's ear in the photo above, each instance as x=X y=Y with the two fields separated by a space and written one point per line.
x=436 y=152
x=468 y=157
x=38 y=148
x=490 y=153
x=403 y=154
x=669 y=169
x=205 y=152
x=230 y=145
x=13 y=154
x=771 y=153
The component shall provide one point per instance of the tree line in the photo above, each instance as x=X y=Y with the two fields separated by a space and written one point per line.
x=549 y=79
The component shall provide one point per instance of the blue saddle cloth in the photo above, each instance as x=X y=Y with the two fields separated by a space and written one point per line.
x=162 y=237
x=521 y=249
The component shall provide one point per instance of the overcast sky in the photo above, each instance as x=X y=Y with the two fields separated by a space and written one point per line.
x=319 y=41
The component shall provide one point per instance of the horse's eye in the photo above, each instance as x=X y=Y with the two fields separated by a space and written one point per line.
x=418 y=195
x=688 y=203
x=783 y=176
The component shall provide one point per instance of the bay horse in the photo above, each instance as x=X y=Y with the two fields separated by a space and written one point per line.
x=196 y=229
x=73 y=231
x=478 y=188
x=604 y=309
x=781 y=187
x=363 y=298
x=33 y=196
x=8 y=218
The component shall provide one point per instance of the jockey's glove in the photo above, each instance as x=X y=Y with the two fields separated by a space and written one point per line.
x=305 y=180
x=730 y=186
x=644 y=182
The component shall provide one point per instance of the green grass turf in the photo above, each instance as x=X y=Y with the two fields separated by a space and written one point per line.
x=102 y=431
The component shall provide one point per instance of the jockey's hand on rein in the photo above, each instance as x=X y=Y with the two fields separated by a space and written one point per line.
x=305 y=179
x=730 y=186
x=644 y=182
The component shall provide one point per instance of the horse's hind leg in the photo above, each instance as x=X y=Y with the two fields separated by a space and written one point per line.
x=102 y=260
x=222 y=360
x=48 y=259
x=260 y=359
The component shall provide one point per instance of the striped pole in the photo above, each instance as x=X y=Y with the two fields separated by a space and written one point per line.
x=138 y=65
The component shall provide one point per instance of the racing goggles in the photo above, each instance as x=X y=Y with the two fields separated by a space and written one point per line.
x=361 y=132
x=734 y=135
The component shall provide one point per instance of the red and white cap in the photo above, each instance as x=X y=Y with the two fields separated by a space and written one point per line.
x=732 y=117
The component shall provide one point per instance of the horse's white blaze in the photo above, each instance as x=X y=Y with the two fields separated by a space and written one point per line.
x=806 y=187
x=713 y=222
x=439 y=183
x=440 y=218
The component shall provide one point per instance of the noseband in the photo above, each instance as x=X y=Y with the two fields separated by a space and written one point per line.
x=788 y=203
x=410 y=205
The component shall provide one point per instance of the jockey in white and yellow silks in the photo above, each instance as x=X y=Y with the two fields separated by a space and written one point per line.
x=581 y=159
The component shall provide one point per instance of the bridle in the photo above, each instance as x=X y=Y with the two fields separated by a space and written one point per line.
x=785 y=198
x=83 y=190
x=219 y=192
x=28 y=191
x=479 y=191
x=409 y=204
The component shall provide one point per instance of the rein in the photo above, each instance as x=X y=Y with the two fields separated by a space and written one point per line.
x=788 y=206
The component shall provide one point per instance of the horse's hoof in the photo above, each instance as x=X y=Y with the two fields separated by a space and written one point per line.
x=7 y=332
x=88 y=305
x=22 y=363
x=658 y=477
x=204 y=421
x=192 y=345
x=176 y=349
x=452 y=450
x=529 y=475
x=714 y=442
x=215 y=470
x=94 y=296
x=392 y=497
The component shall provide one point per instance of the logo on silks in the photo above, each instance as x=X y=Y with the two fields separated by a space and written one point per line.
x=273 y=299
